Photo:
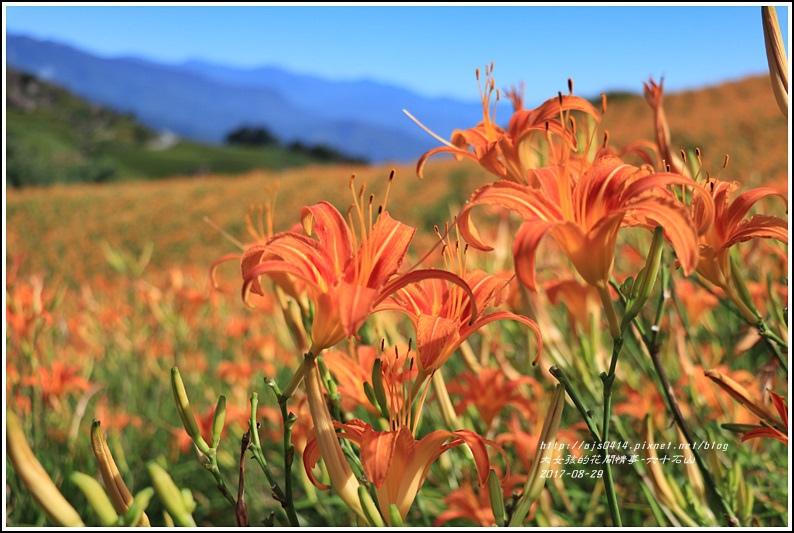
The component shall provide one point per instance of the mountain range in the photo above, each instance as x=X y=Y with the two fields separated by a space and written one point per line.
x=203 y=101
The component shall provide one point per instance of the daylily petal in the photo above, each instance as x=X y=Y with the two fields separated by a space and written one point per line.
x=251 y=278
x=492 y=159
x=457 y=152
x=332 y=232
x=529 y=203
x=327 y=327
x=525 y=248
x=549 y=111
x=477 y=137
x=780 y=406
x=355 y=303
x=759 y=227
x=413 y=299
x=434 y=336
x=600 y=187
x=706 y=207
x=549 y=183
x=311 y=454
x=477 y=446
x=646 y=151
x=744 y=202
x=487 y=288
x=678 y=227
x=377 y=451
x=593 y=254
x=408 y=469
x=299 y=250
x=381 y=254
x=429 y=273
x=506 y=315
x=766 y=432
x=215 y=264
x=248 y=260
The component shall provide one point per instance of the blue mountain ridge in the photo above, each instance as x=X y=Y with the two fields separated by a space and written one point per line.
x=204 y=101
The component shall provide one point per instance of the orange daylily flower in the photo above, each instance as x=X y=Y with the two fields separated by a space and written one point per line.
x=779 y=432
x=344 y=279
x=696 y=300
x=523 y=435
x=394 y=461
x=474 y=505
x=776 y=428
x=509 y=154
x=346 y=275
x=641 y=402
x=115 y=418
x=583 y=213
x=259 y=224
x=351 y=373
x=57 y=381
x=465 y=503
x=654 y=95
x=729 y=228
x=26 y=305
x=490 y=391
x=581 y=302
x=442 y=314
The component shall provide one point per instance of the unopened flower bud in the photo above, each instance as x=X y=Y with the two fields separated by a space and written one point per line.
x=186 y=413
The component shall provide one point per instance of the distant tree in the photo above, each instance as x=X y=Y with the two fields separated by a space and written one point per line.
x=324 y=153
x=252 y=136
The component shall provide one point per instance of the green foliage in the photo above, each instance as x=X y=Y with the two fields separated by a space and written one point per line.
x=251 y=136
x=56 y=137
x=323 y=153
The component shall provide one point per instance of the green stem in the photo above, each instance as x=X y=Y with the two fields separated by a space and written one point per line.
x=296 y=380
x=609 y=480
x=608 y=379
x=212 y=466
x=288 y=420
x=656 y=510
x=586 y=415
x=672 y=403
x=259 y=457
x=774 y=342
x=652 y=344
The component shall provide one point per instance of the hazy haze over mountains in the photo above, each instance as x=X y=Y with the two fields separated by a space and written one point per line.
x=205 y=101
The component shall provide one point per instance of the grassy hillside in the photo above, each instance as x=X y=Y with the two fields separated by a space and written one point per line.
x=56 y=137
x=169 y=214
x=739 y=118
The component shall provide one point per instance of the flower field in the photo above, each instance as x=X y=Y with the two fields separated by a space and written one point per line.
x=557 y=327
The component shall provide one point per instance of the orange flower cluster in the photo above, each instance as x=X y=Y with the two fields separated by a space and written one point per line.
x=552 y=172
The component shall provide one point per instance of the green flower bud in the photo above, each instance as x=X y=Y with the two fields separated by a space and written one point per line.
x=369 y=507
x=170 y=495
x=186 y=413
x=218 y=420
x=497 y=499
x=395 y=516
x=96 y=497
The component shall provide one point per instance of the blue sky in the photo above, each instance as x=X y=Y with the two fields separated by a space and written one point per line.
x=433 y=50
